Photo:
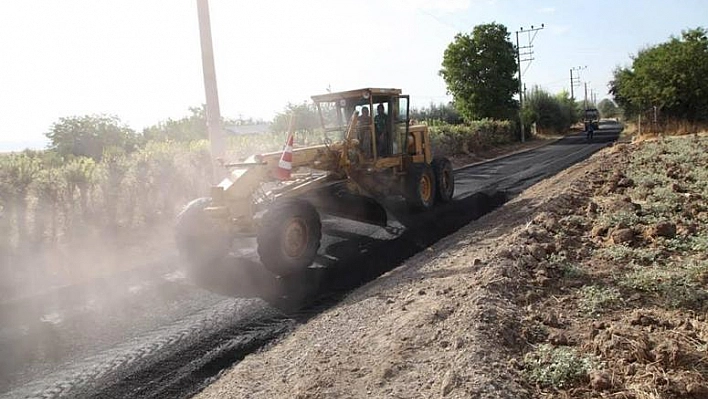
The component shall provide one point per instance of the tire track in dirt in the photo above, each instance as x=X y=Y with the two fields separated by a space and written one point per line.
x=80 y=379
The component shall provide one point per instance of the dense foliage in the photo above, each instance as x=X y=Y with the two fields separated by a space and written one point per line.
x=305 y=118
x=188 y=128
x=479 y=70
x=608 y=109
x=89 y=135
x=436 y=114
x=550 y=113
x=672 y=76
x=467 y=138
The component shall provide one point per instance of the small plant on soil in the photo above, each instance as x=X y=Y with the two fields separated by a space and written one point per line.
x=640 y=255
x=572 y=271
x=686 y=245
x=679 y=285
x=594 y=300
x=622 y=218
x=568 y=269
x=698 y=243
x=556 y=367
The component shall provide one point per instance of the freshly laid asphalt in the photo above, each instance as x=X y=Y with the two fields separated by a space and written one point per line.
x=154 y=331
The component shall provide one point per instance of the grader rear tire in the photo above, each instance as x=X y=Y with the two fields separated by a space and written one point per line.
x=199 y=239
x=444 y=179
x=289 y=237
x=420 y=187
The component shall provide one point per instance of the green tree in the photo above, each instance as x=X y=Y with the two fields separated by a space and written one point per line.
x=550 y=113
x=87 y=136
x=568 y=107
x=670 y=76
x=190 y=128
x=305 y=114
x=479 y=70
x=307 y=121
x=608 y=108
x=437 y=113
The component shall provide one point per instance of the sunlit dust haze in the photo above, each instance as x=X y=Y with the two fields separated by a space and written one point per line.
x=140 y=60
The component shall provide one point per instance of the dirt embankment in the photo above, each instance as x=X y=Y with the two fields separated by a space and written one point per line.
x=590 y=284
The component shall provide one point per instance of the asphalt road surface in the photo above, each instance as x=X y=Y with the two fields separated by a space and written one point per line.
x=154 y=332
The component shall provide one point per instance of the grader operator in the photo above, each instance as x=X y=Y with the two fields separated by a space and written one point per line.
x=364 y=160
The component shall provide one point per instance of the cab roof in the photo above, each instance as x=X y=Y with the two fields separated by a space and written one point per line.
x=359 y=93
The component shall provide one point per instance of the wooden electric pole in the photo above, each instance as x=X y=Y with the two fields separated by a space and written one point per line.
x=529 y=53
x=571 y=84
x=217 y=138
x=575 y=80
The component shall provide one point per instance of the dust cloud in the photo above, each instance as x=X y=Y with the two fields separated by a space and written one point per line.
x=95 y=287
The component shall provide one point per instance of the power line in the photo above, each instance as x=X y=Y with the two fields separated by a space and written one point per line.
x=528 y=52
x=440 y=21
x=555 y=82
x=575 y=81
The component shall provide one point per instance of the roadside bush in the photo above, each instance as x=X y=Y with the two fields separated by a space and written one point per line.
x=17 y=172
x=49 y=190
x=46 y=201
x=549 y=113
x=474 y=136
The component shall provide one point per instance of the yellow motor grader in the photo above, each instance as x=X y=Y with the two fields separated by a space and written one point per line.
x=365 y=160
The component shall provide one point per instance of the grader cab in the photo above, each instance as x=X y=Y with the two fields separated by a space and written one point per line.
x=367 y=158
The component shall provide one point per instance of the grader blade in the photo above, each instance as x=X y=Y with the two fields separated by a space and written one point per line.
x=351 y=206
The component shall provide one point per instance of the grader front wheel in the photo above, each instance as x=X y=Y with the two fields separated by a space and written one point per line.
x=289 y=237
x=420 y=187
x=444 y=179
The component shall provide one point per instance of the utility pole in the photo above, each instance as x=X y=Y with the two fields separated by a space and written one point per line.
x=217 y=137
x=571 y=84
x=529 y=53
x=586 y=95
x=575 y=80
x=521 y=97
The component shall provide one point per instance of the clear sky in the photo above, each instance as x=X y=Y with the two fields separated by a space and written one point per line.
x=140 y=59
